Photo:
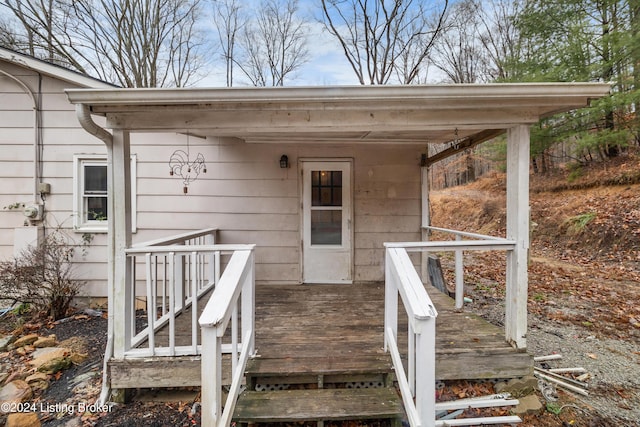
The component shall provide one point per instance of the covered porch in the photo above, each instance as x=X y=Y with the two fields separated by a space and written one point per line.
x=321 y=121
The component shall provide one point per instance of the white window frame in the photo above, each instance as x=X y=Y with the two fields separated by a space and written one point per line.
x=93 y=226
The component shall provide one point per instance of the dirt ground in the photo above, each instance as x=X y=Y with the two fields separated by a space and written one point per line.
x=584 y=288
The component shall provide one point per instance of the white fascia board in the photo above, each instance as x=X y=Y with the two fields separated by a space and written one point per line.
x=538 y=93
x=53 y=70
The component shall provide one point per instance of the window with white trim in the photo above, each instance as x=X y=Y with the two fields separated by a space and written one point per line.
x=90 y=192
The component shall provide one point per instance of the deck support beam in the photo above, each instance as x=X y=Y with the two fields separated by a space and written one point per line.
x=518 y=230
x=119 y=222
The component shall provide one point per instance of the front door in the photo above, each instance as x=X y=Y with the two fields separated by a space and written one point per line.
x=326 y=206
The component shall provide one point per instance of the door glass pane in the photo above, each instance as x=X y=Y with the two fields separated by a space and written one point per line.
x=326 y=188
x=326 y=227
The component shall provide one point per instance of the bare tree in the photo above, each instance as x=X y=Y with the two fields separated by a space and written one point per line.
x=458 y=53
x=500 y=36
x=275 y=44
x=45 y=25
x=134 y=43
x=385 y=38
x=229 y=21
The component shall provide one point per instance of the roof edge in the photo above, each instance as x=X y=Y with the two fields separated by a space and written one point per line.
x=176 y=96
x=53 y=70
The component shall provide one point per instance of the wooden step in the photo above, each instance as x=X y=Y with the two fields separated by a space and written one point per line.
x=318 y=405
x=359 y=364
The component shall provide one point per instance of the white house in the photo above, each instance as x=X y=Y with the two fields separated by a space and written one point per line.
x=302 y=185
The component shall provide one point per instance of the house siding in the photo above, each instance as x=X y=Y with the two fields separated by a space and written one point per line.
x=250 y=199
x=244 y=193
x=62 y=137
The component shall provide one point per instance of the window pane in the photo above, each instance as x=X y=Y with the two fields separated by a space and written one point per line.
x=96 y=208
x=326 y=227
x=326 y=188
x=95 y=179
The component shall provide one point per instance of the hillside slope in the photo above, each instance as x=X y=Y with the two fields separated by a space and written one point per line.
x=585 y=236
x=584 y=274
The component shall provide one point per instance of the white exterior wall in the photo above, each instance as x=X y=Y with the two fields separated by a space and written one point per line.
x=62 y=137
x=244 y=193
x=250 y=199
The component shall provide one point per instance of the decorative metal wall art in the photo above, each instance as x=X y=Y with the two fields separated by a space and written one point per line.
x=181 y=165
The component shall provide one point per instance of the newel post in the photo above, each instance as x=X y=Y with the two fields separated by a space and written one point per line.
x=517 y=230
x=425 y=390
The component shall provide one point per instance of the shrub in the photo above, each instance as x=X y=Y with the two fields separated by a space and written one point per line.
x=42 y=277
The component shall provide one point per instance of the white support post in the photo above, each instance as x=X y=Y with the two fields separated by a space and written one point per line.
x=390 y=300
x=518 y=230
x=119 y=224
x=426 y=371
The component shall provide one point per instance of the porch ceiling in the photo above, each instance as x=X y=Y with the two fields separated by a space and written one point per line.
x=342 y=114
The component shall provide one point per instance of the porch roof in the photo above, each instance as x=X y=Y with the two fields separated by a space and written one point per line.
x=421 y=114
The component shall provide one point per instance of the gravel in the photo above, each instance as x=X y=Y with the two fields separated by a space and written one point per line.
x=614 y=365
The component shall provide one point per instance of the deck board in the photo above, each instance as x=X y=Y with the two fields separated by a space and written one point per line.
x=331 y=322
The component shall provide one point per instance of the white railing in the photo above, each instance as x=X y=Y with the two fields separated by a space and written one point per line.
x=166 y=278
x=481 y=243
x=236 y=287
x=417 y=382
x=417 y=387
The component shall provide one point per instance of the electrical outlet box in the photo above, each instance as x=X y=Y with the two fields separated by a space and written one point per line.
x=44 y=188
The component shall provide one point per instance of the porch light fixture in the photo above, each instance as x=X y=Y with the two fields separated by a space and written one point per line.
x=284 y=162
x=180 y=164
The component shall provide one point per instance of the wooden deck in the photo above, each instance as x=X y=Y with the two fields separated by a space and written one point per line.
x=337 y=331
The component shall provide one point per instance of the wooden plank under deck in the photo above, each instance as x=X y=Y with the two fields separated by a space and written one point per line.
x=337 y=330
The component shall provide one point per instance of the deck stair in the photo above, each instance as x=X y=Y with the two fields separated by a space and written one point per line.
x=319 y=389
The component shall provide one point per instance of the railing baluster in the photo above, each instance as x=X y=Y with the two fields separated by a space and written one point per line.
x=151 y=311
x=459 y=276
x=165 y=283
x=194 y=305
x=411 y=361
x=234 y=337
x=172 y=302
x=130 y=324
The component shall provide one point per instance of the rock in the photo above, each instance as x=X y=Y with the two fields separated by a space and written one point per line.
x=25 y=340
x=518 y=386
x=78 y=358
x=43 y=351
x=45 y=342
x=5 y=341
x=75 y=344
x=26 y=419
x=92 y=312
x=16 y=391
x=52 y=361
x=38 y=381
x=528 y=405
x=3 y=376
x=74 y=422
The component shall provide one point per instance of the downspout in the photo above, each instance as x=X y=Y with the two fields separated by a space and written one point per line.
x=86 y=121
